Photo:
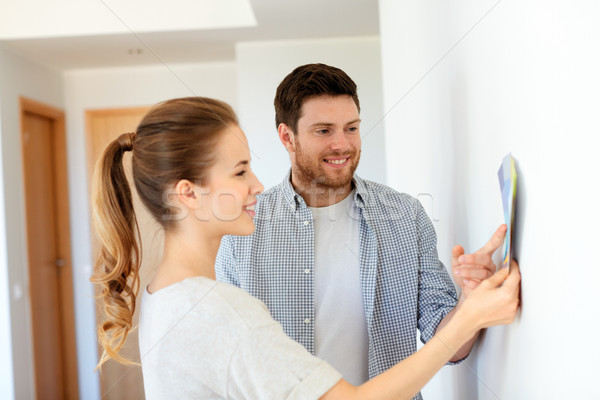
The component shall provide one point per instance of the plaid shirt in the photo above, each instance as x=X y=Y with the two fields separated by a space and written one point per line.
x=404 y=284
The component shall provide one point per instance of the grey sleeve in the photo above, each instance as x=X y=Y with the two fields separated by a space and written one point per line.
x=225 y=264
x=437 y=295
x=267 y=364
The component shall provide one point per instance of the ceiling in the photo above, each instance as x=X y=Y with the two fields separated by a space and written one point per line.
x=161 y=35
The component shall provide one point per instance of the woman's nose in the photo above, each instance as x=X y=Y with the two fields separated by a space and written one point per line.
x=257 y=187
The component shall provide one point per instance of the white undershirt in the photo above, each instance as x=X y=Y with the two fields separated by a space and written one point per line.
x=341 y=336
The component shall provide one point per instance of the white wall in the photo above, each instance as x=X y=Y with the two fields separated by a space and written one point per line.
x=19 y=77
x=465 y=82
x=114 y=88
x=6 y=366
x=261 y=66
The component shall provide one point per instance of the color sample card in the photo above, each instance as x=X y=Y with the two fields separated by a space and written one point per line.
x=507 y=175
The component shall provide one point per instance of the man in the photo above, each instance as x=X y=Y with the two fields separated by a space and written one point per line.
x=347 y=266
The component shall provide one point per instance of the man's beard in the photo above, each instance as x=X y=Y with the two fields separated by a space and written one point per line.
x=312 y=173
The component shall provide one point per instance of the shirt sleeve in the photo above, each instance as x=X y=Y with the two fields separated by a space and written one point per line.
x=267 y=364
x=225 y=264
x=437 y=295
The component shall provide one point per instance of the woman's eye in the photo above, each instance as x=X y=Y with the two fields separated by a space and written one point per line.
x=241 y=173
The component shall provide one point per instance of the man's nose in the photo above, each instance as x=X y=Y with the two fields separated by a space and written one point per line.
x=339 y=142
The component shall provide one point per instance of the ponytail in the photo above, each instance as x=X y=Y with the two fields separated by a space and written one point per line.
x=116 y=270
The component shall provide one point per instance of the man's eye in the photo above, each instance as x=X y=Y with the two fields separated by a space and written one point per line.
x=323 y=131
x=353 y=129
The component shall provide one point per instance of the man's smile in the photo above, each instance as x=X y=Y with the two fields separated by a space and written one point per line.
x=337 y=162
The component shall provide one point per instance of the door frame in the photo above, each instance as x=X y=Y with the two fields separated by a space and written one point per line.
x=63 y=237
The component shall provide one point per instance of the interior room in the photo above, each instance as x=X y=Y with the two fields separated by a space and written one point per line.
x=447 y=89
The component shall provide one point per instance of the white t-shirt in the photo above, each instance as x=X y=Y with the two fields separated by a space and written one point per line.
x=202 y=339
x=341 y=336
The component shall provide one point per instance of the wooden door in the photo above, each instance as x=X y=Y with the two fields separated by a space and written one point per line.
x=48 y=245
x=120 y=381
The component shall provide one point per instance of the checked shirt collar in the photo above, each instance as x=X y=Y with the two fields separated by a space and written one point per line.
x=294 y=200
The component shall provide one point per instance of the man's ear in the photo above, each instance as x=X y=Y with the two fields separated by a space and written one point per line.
x=287 y=137
x=185 y=191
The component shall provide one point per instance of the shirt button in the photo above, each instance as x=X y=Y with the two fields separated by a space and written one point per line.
x=307 y=271
x=306 y=222
x=307 y=321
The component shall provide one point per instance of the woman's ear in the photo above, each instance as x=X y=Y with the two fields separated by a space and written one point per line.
x=286 y=135
x=186 y=194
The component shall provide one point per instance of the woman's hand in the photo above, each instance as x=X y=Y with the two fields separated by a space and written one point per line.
x=495 y=301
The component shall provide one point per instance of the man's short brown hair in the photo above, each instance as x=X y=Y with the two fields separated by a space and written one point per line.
x=305 y=82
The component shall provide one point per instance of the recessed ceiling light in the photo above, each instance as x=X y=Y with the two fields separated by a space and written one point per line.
x=135 y=52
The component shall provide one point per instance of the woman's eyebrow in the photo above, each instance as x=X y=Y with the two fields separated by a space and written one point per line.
x=243 y=162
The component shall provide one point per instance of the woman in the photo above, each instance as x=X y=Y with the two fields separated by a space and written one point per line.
x=203 y=339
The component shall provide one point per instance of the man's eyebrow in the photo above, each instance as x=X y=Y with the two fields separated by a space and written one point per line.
x=320 y=124
x=331 y=124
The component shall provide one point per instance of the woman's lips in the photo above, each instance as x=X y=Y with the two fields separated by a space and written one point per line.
x=250 y=209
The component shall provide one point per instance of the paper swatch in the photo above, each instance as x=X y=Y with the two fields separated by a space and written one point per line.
x=507 y=175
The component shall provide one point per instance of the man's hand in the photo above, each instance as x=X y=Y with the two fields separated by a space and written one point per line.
x=470 y=269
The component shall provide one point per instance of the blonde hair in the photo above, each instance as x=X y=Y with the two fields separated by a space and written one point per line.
x=174 y=141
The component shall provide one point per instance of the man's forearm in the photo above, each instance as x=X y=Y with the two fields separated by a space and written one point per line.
x=466 y=348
